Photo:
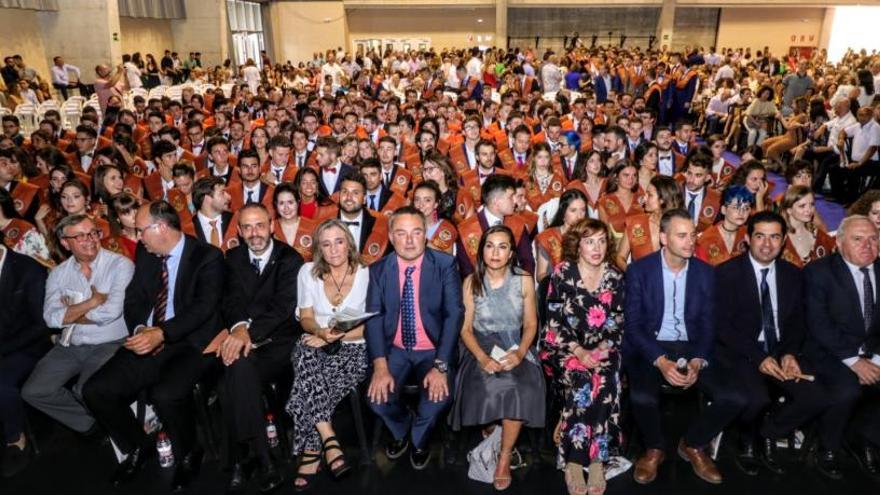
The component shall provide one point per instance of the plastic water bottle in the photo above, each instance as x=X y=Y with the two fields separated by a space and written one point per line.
x=163 y=445
x=271 y=431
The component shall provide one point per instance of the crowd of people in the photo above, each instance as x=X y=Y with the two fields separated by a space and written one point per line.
x=530 y=239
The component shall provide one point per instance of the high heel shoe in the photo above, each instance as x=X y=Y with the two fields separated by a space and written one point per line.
x=342 y=468
x=306 y=459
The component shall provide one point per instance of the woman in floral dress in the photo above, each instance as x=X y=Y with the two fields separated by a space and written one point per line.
x=579 y=349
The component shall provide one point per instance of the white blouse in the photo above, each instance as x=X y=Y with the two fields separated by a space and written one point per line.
x=310 y=294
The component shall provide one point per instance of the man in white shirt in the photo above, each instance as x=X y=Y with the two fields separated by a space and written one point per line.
x=717 y=111
x=829 y=156
x=863 y=157
x=84 y=297
x=61 y=78
x=332 y=69
x=475 y=65
x=132 y=72
x=724 y=72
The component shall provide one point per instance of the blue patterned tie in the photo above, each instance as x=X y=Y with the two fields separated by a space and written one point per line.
x=408 y=311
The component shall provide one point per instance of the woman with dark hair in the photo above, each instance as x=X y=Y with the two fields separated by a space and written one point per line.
x=122 y=210
x=548 y=244
x=868 y=205
x=590 y=180
x=722 y=170
x=441 y=233
x=499 y=378
x=20 y=235
x=805 y=242
x=291 y=228
x=794 y=134
x=308 y=194
x=585 y=131
x=542 y=182
x=865 y=88
x=642 y=230
x=758 y=115
x=753 y=175
x=579 y=347
x=455 y=203
x=622 y=198
x=645 y=156
x=108 y=182
x=259 y=140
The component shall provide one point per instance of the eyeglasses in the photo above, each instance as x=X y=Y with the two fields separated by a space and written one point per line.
x=83 y=236
x=743 y=208
x=140 y=231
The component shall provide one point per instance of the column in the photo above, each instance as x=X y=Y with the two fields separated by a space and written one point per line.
x=205 y=30
x=501 y=23
x=665 y=25
x=84 y=32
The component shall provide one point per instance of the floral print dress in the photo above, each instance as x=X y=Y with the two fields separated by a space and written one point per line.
x=589 y=397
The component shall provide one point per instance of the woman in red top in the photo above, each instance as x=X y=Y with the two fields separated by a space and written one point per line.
x=309 y=194
x=123 y=208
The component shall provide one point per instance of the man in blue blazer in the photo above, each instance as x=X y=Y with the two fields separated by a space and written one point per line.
x=669 y=320
x=418 y=295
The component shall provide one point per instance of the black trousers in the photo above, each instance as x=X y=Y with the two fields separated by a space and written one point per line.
x=852 y=405
x=168 y=377
x=241 y=397
x=803 y=400
x=846 y=182
x=825 y=161
x=83 y=89
x=645 y=381
x=14 y=370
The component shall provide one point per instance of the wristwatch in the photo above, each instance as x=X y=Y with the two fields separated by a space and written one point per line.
x=441 y=366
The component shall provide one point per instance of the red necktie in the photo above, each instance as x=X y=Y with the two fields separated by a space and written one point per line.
x=331 y=170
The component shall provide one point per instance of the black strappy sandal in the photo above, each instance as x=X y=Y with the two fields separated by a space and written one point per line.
x=331 y=443
x=306 y=459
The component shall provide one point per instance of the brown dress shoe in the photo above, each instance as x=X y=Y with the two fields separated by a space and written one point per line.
x=703 y=465
x=646 y=466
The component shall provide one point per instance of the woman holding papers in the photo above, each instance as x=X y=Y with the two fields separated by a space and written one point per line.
x=579 y=348
x=327 y=363
x=500 y=379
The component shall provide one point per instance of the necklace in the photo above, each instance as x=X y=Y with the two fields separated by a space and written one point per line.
x=337 y=299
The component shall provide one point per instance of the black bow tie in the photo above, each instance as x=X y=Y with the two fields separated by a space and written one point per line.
x=356 y=224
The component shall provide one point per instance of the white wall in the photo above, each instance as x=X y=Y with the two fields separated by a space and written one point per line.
x=146 y=36
x=300 y=29
x=757 y=27
x=18 y=28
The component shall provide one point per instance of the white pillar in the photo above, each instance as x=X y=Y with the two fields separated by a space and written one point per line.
x=84 y=32
x=666 y=24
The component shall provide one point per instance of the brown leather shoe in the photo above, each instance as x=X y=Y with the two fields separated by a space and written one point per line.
x=646 y=466
x=703 y=465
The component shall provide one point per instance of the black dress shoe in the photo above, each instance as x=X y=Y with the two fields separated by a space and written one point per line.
x=396 y=448
x=419 y=458
x=15 y=460
x=768 y=456
x=269 y=479
x=828 y=465
x=746 y=460
x=867 y=459
x=127 y=470
x=237 y=481
x=187 y=470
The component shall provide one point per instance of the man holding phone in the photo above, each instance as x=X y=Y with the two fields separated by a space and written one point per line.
x=670 y=333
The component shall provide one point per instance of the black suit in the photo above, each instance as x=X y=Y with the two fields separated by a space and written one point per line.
x=344 y=171
x=836 y=331
x=205 y=237
x=739 y=324
x=170 y=374
x=382 y=200
x=266 y=300
x=24 y=337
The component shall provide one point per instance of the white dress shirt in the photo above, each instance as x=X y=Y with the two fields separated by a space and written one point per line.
x=863 y=137
x=771 y=284
x=329 y=178
x=61 y=75
x=698 y=202
x=492 y=220
x=206 y=225
x=859 y=280
x=666 y=163
x=354 y=229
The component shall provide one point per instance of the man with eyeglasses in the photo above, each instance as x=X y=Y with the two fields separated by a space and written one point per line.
x=86 y=144
x=172 y=312
x=84 y=298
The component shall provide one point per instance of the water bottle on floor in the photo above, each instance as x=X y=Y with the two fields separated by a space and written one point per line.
x=271 y=431
x=163 y=445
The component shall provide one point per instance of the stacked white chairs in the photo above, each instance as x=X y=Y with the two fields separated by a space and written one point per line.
x=27 y=117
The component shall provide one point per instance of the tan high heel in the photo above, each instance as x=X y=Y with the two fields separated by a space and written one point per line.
x=574 y=479
x=596 y=484
x=502 y=483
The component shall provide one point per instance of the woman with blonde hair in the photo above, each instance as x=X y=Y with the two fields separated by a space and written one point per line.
x=328 y=363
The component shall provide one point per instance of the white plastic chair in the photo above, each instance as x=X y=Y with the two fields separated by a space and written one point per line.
x=27 y=117
x=227 y=89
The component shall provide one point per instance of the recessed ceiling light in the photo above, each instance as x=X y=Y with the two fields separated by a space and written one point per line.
x=479 y=20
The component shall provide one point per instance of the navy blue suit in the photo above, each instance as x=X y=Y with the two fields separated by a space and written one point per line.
x=643 y=313
x=442 y=313
x=601 y=90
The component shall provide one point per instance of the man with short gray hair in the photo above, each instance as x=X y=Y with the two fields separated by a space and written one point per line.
x=84 y=296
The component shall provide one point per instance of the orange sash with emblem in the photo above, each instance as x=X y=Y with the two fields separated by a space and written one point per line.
x=712 y=249
x=464 y=206
x=458 y=158
x=401 y=181
x=394 y=202
x=303 y=241
x=551 y=242
x=444 y=237
x=23 y=197
x=638 y=233
x=709 y=209
x=823 y=246
x=615 y=212
x=15 y=231
x=534 y=195
x=471 y=231
x=377 y=242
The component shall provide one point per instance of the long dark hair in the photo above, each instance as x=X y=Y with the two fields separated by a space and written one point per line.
x=477 y=280
x=320 y=197
x=567 y=198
